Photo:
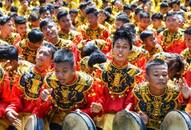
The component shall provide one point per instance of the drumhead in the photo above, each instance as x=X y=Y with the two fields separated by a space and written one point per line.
x=34 y=123
x=125 y=120
x=176 y=120
x=78 y=121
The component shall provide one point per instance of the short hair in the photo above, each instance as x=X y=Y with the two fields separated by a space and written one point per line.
x=62 y=13
x=97 y=57
x=91 y=10
x=73 y=11
x=50 y=46
x=170 y=14
x=158 y=16
x=35 y=36
x=127 y=7
x=45 y=22
x=64 y=56
x=123 y=17
x=145 y=34
x=14 y=9
x=175 y=2
x=33 y=17
x=4 y=19
x=89 y=48
x=83 y=5
x=8 y=52
x=122 y=33
x=108 y=9
x=43 y=9
x=164 y=5
x=144 y=15
x=152 y=63
x=188 y=31
x=20 y=20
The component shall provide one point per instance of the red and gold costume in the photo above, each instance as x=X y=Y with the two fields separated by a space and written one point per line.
x=156 y=107
x=26 y=91
x=172 y=42
x=13 y=38
x=26 y=52
x=74 y=36
x=138 y=57
x=156 y=49
x=100 y=33
x=186 y=54
x=5 y=91
x=66 y=98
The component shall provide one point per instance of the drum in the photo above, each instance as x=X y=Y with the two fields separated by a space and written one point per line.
x=34 y=123
x=176 y=120
x=125 y=120
x=78 y=121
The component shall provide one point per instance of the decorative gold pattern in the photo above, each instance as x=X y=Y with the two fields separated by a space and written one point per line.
x=69 y=96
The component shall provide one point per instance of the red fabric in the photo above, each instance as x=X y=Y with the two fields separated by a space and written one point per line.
x=93 y=95
x=5 y=94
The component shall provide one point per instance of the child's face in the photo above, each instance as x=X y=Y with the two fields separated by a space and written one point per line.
x=22 y=29
x=50 y=31
x=158 y=76
x=118 y=24
x=92 y=19
x=65 y=23
x=164 y=10
x=172 y=23
x=101 y=17
x=144 y=23
x=7 y=27
x=44 y=57
x=175 y=7
x=187 y=39
x=120 y=50
x=150 y=41
x=156 y=22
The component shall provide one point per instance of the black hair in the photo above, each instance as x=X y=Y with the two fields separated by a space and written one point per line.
x=175 y=2
x=14 y=9
x=127 y=7
x=45 y=22
x=8 y=52
x=122 y=33
x=146 y=34
x=108 y=9
x=158 y=16
x=152 y=63
x=43 y=9
x=33 y=17
x=144 y=15
x=138 y=10
x=35 y=35
x=89 y=48
x=50 y=7
x=62 y=13
x=51 y=46
x=73 y=11
x=91 y=10
x=4 y=19
x=164 y=5
x=96 y=58
x=170 y=14
x=64 y=56
x=83 y=5
x=20 y=20
x=123 y=17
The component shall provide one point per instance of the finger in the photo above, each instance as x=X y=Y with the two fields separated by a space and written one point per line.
x=18 y=122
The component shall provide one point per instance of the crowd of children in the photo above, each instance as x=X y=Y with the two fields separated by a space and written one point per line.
x=94 y=56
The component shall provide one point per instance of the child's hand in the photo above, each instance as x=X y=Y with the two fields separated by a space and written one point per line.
x=184 y=88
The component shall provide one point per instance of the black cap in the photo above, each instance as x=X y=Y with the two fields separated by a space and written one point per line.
x=146 y=34
x=188 y=31
x=4 y=20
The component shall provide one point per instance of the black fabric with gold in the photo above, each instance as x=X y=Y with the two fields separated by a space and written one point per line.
x=67 y=97
x=28 y=53
x=156 y=107
x=119 y=79
x=31 y=82
x=1 y=74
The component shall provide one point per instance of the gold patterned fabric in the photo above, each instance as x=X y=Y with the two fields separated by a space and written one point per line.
x=156 y=107
x=28 y=53
x=119 y=80
x=187 y=55
x=68 y=97
x=31 y=83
